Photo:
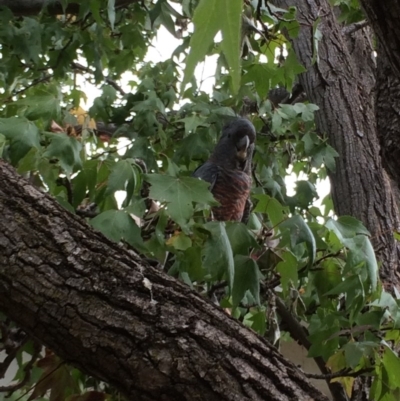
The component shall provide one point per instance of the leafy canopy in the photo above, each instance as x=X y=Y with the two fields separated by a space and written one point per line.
x=125 y=166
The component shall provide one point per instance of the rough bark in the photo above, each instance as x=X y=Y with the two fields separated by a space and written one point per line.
x=360 y=186
x=104 y=310
x=388 y=116
x=54 y=7
x=384 y=19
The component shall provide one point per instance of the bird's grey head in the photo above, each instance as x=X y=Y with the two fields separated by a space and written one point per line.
x=238 y=136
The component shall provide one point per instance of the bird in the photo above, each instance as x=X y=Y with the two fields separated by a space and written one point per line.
x=228 y=170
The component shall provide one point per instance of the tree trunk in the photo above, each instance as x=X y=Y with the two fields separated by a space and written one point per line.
x=388 y=117
x=360 y=186
x=104 y=310
x=384 y=19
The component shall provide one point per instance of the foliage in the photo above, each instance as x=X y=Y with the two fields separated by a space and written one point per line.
x=136 y=187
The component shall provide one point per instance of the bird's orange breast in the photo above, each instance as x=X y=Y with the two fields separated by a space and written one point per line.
x=231 y=190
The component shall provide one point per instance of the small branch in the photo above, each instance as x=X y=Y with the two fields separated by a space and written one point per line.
x=328 y=255
x=65 y=182
x=349 y=29
x=110 y=151
x=215 y=288
x=109 y=81
x=341 y=373
x=115 y=86
x=34 y=82
x=78 y=66
x=258 y=10
x=60 y=54
x=300 y=334
x=89 y=210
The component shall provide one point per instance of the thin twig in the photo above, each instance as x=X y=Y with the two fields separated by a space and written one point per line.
x=215 y=288
x=34 y=82
x=111 y=82
x=341 y=373
x=117 y=87
x=65 y=182
x=40 y=381
x=349 y=29
x=328 y=255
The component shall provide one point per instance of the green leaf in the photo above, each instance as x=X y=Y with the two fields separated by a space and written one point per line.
x=217 y=253
x=257 y=74
x=247 y=278
x=292 y=68
x=353 y=353
x=269 y=205
x=240 y=238
x=118 y=225
x=346 y=227
x=259 y=322
x=231 y=10
x=354 y=236
x=179 y=193
x=362 y=251
x=67 y=150
x=288 y=269
x=166 y=19
x=155 y=12
x=2 y=144
x=95 y=8
x=192 y=122
x=191 y=263
x=276 y=121
x=124 y=177
x=299 y=233
x=328 y=277
x=179 y=241
x=41 y=105
x=22 y=134
x=111 y=12
x=29 y=162
x=305 y=193
x=206 y=20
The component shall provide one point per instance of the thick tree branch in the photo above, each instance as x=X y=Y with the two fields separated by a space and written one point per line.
x=54 y=7
x=103 y=309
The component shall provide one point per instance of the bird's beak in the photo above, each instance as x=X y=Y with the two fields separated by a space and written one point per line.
x=242 y=147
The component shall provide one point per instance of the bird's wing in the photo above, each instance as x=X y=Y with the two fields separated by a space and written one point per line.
x=246 y=211
x=207 y=172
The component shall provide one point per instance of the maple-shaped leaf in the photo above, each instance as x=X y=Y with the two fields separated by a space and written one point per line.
x=56 y=378
x=67 y=149
x=179 y=193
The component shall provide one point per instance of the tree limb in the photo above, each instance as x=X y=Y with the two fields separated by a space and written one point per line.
x=103 y=309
